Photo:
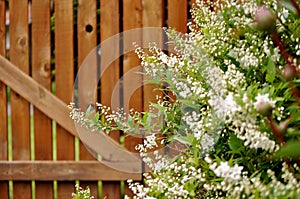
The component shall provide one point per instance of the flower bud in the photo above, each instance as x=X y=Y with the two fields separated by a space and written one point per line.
x=264 y=108
x=265 y=19
x=264 y=105
x=289 y=72
x=282 y=127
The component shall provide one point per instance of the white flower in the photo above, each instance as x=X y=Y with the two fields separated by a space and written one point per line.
x=207 y=142
x=264 y=105
x=208 y=159
x=227 y=172
x=264 y=99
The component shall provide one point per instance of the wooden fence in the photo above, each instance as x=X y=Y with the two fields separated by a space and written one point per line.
x=42 y=45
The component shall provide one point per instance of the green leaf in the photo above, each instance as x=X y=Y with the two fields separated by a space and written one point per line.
x=290 y=149
x=188 y=139
x=89 y=111
x=235 y=144
x=130 y=121
x=271 y=71
x=96 y=117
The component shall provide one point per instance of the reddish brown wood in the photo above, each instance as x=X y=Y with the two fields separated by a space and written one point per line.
x=61 y=170
x=41 y=58
x=36 y=94
x=42 y=98
x=153 y=16
x=136 y=14
x=132 y=14
x=19 y=55
x=64 y=79
x=177 y=15
x=87 y=41
x=193 y=2
x=3 y=103
x=109 y=21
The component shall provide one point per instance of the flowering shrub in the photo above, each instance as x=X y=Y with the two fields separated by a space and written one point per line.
x=230 y=97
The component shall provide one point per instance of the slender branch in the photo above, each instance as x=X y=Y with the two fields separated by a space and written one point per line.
x=291 y=69
x=296 y=6
x=275 y=130
x=295 y=92
x=287 y=57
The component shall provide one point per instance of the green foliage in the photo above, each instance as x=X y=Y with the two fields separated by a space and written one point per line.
x=291 y=149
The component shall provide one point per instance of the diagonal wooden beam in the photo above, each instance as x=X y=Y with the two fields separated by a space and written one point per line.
x=111 y=152
x=36 y=94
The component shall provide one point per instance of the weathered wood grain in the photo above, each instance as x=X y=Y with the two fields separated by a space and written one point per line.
x=61 y=171
x=19 y=55
x=3 y=102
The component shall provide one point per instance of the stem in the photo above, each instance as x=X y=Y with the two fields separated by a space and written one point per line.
x=295 y=92
x=278 y=136
x=275 y=130
x=296 y=6
x=287 y=57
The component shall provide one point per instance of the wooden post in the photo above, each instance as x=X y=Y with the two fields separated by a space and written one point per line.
x=109 y=20
x=64 y=79
x=3 y=102
x=19 y=55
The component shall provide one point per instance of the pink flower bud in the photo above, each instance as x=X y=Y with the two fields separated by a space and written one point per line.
x=264 y=108
x=282 y=127
x=289 y=72
x=264 y=105
x=265 y=19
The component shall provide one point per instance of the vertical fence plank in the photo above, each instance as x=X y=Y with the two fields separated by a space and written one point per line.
x=192 y=3
x=19 y=106
x=132 y=18
x=177 y=15
x=132 y=15
x=109 y=20
x=3 y=102
x=64 y=79
x=41 y=58
x=153 y=16
x=87 y=41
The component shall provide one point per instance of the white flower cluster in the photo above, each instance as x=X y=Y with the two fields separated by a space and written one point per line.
x=245 y=126
x=153 y=159
x=230 y=174
x=170 y=185
x=237 y=184
x=76 y=114
x=82 y=193
x=263 y=99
